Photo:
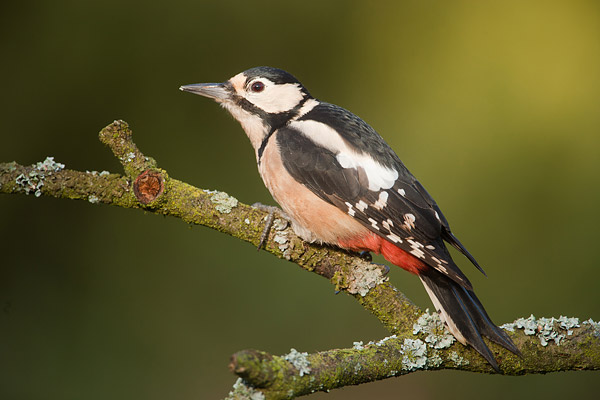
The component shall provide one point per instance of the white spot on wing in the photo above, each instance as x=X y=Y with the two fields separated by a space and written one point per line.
x=409 y=221
x=387 y=225
x=382 y=201
x=394 y=238
x=351 y=211
x=416 y=248
x=373 y=223
x=417 y=253
x=402 y=192
x=362 y=206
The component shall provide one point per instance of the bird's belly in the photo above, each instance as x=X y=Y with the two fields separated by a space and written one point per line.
x=313 y=218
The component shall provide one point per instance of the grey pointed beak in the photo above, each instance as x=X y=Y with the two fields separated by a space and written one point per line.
x=216 y=91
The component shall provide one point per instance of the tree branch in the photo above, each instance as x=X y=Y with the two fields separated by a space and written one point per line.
x=419 y=340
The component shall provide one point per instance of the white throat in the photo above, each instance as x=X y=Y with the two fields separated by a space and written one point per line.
x=252 y=124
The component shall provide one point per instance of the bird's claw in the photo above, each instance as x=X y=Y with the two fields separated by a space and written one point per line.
x=272 y=210
x=366 y=255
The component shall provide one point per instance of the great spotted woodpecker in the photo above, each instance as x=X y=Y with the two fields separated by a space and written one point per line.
x=340 y=183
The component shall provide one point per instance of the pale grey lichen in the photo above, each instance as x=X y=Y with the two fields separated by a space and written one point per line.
x=299 y=361
x=93 y=199
x=546 y=329
x=358 y=345
x=280 y=224
x=224 y=202
x=382 y=341
x=49 y=165
x=96 y=173
x=241 y=391
x=568 y=323
x=415 y=354
x=594 y=325
x=34 y=180
x=434 y=360
x=11 y=166
x=431 y=325
x=457 y=359
x=365 y=277
x=129 y=157
x=280 y=238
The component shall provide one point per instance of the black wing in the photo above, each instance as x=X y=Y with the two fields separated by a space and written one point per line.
x=410 y=218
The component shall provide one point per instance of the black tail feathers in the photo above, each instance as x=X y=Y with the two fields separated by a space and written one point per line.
x=464 y=315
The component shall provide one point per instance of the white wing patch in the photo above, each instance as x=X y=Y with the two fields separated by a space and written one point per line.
x=379 y=176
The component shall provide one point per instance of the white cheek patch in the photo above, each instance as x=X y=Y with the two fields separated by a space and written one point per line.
x=275 y=98
x=379 y=177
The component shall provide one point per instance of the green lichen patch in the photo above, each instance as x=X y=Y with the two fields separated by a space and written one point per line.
x=299 y=361
x=415 y=354
x=365 y=277
x=457 y=359
x=594 y=325
x=358 y=345
x=546 y=329
x=223 y=202
x=9 y=166
x=241 y=391
x=434 y=360
x=96 y=173
x=33 y=181
x=437 y=335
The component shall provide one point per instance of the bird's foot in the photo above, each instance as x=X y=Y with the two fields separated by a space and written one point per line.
x=366 y=255
x=385 y=268
x=272 y=210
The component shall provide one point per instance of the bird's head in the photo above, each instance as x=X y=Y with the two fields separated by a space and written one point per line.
x=261 y=99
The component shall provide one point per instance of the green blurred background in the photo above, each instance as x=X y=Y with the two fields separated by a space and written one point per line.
x=494 y=106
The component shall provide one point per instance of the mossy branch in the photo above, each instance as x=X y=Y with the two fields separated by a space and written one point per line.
x=419 y=340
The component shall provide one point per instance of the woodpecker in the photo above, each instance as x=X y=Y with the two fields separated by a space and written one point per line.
x=341 y=184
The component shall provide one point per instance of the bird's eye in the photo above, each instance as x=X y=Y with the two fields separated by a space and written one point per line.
x=258 y=86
